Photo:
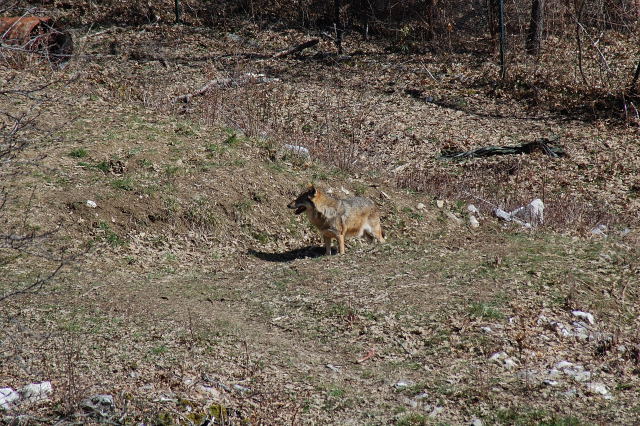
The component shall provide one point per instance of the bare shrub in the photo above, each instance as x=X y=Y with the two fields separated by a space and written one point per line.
x=509 y=185
x=29 y=257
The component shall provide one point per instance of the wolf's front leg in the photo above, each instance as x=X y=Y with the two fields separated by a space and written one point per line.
x=327 y=244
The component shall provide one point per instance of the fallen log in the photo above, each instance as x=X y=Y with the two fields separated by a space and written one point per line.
x=297 y=48
x=543 y=145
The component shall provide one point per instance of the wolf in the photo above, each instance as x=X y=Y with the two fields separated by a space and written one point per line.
x=339 y=218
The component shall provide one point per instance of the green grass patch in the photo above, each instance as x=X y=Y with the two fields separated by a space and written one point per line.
x=485 y=310
x=530 y=416
x=413 y=419
x=78 y=153
x=110 y=236
x=126 y=184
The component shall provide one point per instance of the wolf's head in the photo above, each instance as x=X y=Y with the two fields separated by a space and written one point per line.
x=304 y=200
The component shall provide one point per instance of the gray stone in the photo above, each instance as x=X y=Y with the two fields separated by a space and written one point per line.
x=597 y=388
x=35 y=392
x=7 y=397
x=99 y=405
x=297 y=150
x=584 y=315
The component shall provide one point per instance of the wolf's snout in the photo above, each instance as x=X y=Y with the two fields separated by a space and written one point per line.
x=299 y=208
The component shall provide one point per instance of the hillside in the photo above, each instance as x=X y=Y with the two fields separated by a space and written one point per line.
x=198 y=295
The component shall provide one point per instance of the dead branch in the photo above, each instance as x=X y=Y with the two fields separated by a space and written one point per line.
x=226 y=82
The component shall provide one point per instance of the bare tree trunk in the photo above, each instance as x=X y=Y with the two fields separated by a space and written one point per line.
x=492 y=17
x=534 y=35
x=503 y=47
x=178 y=11
x=338 y=25
x=431 y=18
x=578 y=6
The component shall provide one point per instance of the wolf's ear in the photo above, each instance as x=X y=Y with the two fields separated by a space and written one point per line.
x=312 y=189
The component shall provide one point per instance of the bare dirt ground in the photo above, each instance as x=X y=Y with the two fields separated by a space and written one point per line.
x=201 y=297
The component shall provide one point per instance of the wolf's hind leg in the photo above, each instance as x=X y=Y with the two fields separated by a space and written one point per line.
x=341 y=244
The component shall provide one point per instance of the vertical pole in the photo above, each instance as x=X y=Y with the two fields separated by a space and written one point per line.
x=503 y=67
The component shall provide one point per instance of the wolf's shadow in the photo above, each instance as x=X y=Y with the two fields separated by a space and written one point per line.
x=288 y=256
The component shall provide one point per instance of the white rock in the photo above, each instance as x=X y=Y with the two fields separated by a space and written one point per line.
x=498 y=356
x=549 y=382
x=346 y=192
x=476 y=422
x=563 y=364
x=600 y=230
x=440 y=203
x=501 y=214
x=532 y=376
x=241 y=388
x=554 y=373
x=36 y=391
x=473 y=221
x=420 y=206
x=584 y=315
x=297 y=150
x=530 y=215
x=510 y=363
x=580 y=330
x=473 y=210
x=91 y=204
x=582 y=376
x=536 y=212
x=402 y=384
x=7 y=397
x=597 y=388
x=486 y=329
